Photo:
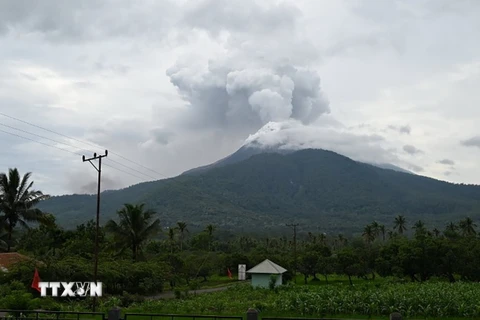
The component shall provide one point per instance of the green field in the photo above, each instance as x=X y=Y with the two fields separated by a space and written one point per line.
x=374 y=299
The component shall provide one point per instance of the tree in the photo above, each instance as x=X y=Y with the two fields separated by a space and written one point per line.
x=368 y=234
x=419 y=228
x=400 y=224
x=171 y=238
x=210 y=229
x=17 y=202
x=376 y=228
x=182 y=227
x=467 y=226
x=451 y=230
x=382 y=230
x=134 y=229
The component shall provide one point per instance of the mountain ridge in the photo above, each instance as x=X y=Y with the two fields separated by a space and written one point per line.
x=251 y=149
x=317 y=188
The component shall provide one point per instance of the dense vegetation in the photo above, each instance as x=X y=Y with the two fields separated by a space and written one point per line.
x=320 y=189
x=402 y=265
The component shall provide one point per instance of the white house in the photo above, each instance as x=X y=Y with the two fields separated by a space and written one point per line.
x=261 y=274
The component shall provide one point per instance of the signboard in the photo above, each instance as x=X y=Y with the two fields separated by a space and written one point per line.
x=242 y=269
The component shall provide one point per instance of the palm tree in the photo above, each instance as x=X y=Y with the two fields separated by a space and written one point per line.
x=210 y=229
x=17 y=202
x=368 y=234
x=171 y=238
x=182 y=227
x=390 y=234
x=436 y=232
x=451 y=227
x=382 y=230
x=376 y=228
x=400 y=224
x=419 y=227
x=468 y=227
x=134 y=229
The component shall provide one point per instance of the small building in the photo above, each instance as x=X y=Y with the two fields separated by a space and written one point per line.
x=8 y=259
x=262 y=273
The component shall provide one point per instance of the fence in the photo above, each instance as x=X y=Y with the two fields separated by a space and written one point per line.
x=115 y=314
x=148 y=316
x=49 y=315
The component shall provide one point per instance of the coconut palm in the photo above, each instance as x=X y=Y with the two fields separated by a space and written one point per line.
x=134 y=228
x=182 y=227
x=467 y=226
x=376 y=228
x=210 y=229
x=400 y=224
x=419 y=228
x=382 y=230
x=171 y=238
x=369 y=234
x=17 y=202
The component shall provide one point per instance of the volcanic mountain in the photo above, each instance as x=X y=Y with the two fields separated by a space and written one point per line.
x=253 y=191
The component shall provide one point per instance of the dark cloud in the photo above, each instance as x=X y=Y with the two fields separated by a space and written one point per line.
x=82 y=183
x=472 y=142
x=447 y=162
x=415 y=168
x=161 y=135
x=402 y=129
x=411 y=149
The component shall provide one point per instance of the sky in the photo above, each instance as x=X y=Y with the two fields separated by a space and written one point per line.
x=166 y=86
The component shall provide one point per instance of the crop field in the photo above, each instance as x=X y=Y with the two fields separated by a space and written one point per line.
x=435 y=300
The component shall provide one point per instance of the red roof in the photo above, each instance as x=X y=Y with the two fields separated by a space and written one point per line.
x=7 y=259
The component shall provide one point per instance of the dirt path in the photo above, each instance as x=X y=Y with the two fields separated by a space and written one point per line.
x=171 y=294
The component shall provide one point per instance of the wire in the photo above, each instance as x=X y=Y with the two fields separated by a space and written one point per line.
x=48 y=145
x=107 y=165
x=132 y=169
x=87 y=143
x=69 y=145
x=37 y=135
x=195 y=190
x=76 y=153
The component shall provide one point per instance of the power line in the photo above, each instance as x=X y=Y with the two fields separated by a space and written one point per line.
x=195 y=190
x=37 y=135
x=132 y=169
x=75 y=147
x=84 y=142
x=72 y=152
x=48 y=145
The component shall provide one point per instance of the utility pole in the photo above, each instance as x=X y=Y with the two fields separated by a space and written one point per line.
x=99 y=170
x=294 y=226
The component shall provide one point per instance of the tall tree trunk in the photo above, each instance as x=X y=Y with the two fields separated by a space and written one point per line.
x=9 y=240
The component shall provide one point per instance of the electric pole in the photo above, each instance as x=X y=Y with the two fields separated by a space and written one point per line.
x=97 y=227
x=294 y=226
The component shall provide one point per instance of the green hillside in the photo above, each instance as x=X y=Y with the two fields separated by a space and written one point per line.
x=320 y=189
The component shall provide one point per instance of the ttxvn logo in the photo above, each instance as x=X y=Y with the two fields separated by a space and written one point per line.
x=71 y=289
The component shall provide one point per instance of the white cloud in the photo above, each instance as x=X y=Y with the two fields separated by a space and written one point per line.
x=176 y=84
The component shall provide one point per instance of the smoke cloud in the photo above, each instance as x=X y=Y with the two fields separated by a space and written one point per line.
x=246 y=99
